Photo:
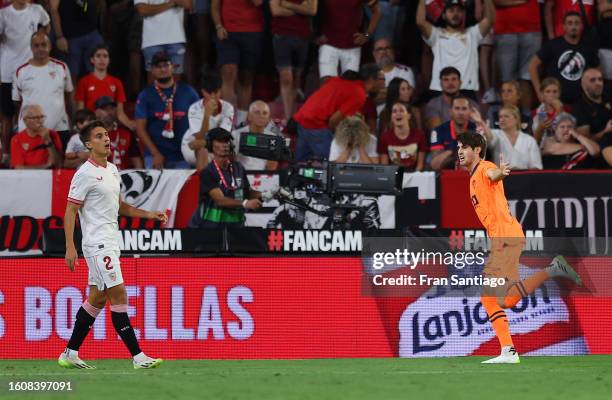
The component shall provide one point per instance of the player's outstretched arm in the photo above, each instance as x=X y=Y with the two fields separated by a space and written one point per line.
x=129 y=211
x=500 y=173
x=69 y=222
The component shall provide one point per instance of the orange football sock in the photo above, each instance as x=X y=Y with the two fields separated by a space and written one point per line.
x=498 y=320
x=524 y=288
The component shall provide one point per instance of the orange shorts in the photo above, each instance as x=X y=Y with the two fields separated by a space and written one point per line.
x=503 y=261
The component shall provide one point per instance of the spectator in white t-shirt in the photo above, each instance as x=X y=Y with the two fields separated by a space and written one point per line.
x=205 y=114
x=45 y=81
x=518 y=149
x=353 y=143
x=455 y=45
x=18 y=22
x=258 y=122
x=163 y=30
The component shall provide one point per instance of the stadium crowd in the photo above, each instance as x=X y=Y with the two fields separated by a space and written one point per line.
x=365 y=81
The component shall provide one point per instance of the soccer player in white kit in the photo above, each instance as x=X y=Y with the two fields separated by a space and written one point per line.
x=95 y=195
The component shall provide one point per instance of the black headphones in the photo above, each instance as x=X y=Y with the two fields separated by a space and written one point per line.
x=209 y=141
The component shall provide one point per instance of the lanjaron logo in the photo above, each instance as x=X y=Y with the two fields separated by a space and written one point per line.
x=456 y=324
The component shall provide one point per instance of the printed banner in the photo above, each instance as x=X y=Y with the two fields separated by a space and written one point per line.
x=539 y=200
x=276 y=308
x=33 y=201
x=154 y=189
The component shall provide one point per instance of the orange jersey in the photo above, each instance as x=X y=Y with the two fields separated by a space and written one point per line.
x=490 y=204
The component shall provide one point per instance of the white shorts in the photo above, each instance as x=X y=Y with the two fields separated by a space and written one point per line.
x=104 y=267
x=605 y=57
x=330 y=56
x=188 y=154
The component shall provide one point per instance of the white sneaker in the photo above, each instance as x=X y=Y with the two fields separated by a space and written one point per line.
x=508 y=356
x=72 y=361
x=146 y=362
x=561 y=268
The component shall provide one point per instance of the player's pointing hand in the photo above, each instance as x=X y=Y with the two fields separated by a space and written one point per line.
x=504 y=166
x=158 y=216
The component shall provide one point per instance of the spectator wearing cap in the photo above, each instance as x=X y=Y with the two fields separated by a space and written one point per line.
x=35 y=147
x=162 y=30
x=565 y=58
x=456 y=45
x=438 y=109
x=292 y=32
x=518 y=36
x=18 y=22
x=205 y=114
x=225 y=192
x=75 y=24
x=239 y=25
x=42 y=81
x=100 y=83
x=258 y=122
x=593 y=111
x=161 y=116
x=125 y=152
x=76 y=152
x=336 y=99
x=341 y=38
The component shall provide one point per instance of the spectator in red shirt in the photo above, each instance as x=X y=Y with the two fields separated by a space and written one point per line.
x=401 y=144
x=518 y=37
x=99 y=83
x=338 y=98
x=555 y=10
x=125 y=152
x=36 y=147
x=341 y=38
x=239 y=25
x=291 y=30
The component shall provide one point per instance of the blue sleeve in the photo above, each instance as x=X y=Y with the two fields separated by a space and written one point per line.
x=141 y=107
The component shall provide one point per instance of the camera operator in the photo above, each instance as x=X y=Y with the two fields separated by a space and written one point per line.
x=225 y=192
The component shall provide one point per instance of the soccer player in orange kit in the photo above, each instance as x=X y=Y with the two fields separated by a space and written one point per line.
x=507 y=241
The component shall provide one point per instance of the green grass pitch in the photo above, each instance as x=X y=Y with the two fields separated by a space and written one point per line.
x=555 y=378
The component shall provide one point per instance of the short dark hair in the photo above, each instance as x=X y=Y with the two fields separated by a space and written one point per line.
x=85 y=134
x=449 y=71
x=101 y=46
x=210 y=81
x=460 y=97
x=572 y=14
x=369 y=71
x=473 y=140
x=83 y=115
